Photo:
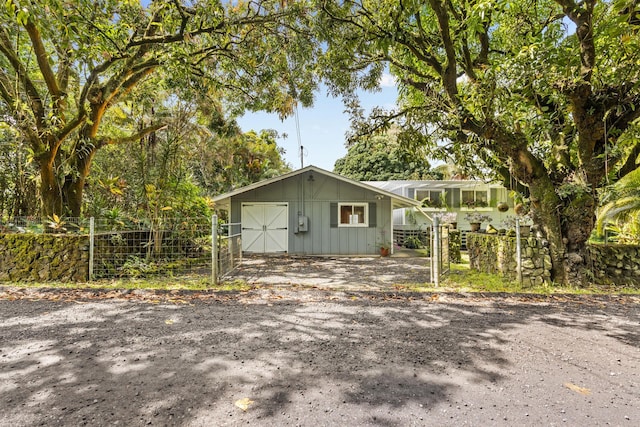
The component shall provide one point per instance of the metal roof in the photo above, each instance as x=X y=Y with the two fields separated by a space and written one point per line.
x=394 y=185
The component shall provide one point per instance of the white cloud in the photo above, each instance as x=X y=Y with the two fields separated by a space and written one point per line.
x=387 y=80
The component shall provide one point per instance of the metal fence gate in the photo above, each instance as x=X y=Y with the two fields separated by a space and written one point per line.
x=144 y=247
x=196 y=246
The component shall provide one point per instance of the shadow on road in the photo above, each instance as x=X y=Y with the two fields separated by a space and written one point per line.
x=360 y=361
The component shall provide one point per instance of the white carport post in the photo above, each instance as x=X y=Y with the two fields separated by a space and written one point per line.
x=518 y=251
x=214 y=250
x=435 y=256
x=391 y=228
x=434 y=244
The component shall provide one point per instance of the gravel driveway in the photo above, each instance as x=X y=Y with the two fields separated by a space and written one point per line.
x=336 y=273
x=315 y=358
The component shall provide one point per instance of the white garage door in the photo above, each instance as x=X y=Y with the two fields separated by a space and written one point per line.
x=265 y=227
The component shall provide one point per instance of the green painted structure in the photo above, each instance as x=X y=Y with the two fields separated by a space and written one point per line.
x=307 y=212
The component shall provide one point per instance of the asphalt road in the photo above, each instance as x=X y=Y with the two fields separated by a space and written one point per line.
x=315 y=358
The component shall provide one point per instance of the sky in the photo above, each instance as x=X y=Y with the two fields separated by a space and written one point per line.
x=322 y=127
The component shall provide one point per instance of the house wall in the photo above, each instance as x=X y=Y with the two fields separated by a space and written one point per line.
x=314 y=198
x=453 y=204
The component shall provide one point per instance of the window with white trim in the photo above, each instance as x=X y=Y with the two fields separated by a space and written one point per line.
x=473 y=198
x=430 y=198
x=353 y=214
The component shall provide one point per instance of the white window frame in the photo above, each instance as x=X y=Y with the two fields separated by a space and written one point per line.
x=475 y=198
x=440 y=194
x=354 y=204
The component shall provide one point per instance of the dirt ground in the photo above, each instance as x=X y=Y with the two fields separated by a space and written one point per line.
x=335 y=273
x=276 y=356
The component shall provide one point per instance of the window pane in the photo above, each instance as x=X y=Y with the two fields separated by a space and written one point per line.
x=345 y=214
x=358 y=212
x=422 y=194
x=481 y=196
x=467 y=196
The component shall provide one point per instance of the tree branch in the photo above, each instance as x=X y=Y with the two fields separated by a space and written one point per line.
x=581 y=14
x=11 y=101
x=131 y=138
x=43 y=60
x=35 y=100
x=450 y=74
x=631 y=163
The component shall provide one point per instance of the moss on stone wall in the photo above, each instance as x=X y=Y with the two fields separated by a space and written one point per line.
x=491 y=253
x=454 y=246
x=610 y=264
x=615 y=264
x=44 y=257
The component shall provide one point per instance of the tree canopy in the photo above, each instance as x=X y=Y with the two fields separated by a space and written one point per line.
x=171 y=173
x=69 y=67
x=544 y=93
x=382 y=158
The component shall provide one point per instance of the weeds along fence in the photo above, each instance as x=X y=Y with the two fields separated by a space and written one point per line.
x=123 y=248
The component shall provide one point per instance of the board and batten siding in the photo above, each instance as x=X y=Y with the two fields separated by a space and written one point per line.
x=315 y=198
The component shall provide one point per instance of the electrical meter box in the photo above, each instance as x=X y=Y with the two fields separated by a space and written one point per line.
x=303 y=223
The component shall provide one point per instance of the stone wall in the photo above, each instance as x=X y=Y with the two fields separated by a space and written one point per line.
x=615 y=264
x=491 y=253
x=44 y=257
x=454 y=246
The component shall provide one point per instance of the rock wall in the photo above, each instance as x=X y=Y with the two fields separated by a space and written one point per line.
x=454 y=246
x=491 y=253
x=44 y=257
x=615 y=264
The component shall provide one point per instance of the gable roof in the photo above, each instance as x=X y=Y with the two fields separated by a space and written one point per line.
x=397 y=201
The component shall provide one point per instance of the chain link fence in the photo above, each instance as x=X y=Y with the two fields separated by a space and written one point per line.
x=121 y=248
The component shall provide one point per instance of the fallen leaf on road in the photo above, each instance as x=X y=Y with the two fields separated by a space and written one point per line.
x=244 y=403
x=169 y=321
x=577 y=389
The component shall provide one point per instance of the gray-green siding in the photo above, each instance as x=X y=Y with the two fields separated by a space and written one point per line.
x=313 y=198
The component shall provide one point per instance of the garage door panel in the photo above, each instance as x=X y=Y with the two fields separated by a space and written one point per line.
x=265 y=227
x=275 y=241
x=276 y=217
x=253 y=240
x=252 y=216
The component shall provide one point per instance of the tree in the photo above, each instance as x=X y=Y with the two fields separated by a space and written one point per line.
x=544 y=93
x=17 y=186
x=152 y=178
x=621 y=209
x=229 y=158
x=170 y=173
x=382 y=158
x=69 y=67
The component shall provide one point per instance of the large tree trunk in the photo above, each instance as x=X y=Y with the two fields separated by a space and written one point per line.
x=72 y=192
x=74 y=184
x=578 y=221
x=50 y=191
x=567 y=226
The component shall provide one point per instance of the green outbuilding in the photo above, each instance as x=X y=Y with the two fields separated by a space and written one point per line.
x=312 y=211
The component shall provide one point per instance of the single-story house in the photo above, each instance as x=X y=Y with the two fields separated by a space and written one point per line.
x=314 y=212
